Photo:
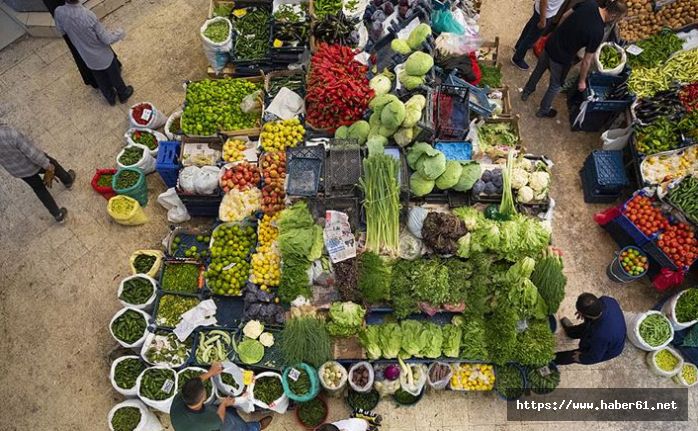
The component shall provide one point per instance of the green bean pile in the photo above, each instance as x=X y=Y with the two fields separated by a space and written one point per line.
x=655 y=330
x=685 y=197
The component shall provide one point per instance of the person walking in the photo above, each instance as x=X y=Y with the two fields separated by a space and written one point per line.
x=538 y=25
x=580 y=27
x=93 y=41
x=22 y=159
x=190 y=413
x=601 y=334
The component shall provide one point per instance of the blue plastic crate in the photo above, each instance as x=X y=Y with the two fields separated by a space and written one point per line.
x=167 y=163
x=637 y=236
x=460 y=151
x=606 y=170
x=599 y=86
x=592 y=195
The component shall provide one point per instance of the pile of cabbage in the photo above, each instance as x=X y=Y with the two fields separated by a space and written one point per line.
x=431 y=169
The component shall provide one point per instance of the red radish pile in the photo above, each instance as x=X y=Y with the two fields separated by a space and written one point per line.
x=241 y=176
x=678 y=242
x=648 y=218
x=137 y=113
x=337 y=89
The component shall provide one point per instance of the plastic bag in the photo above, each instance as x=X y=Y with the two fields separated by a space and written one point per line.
x=633 y=328
x=415 y=384
x=314 y=383
x=126 y=211
x=155 y=118
x=155 y=269
x=217 y=53
x=615 y=139
x=176 y=211
x=443 y=382
x=187 y=178
x=616 y=70
x=252 y=102
x=450 y=44
x=146 y=162
x=227 y=390
x=410 y=247
x=128 y=393
x=161 y=405
x=669 y=309
x=159 y=137
x=337 y=390
x=369 y=384
x=652 y=363
x=442 y=21
x=279 y=406
x=539 y=46
x=148 y=304
x=149 y=422
x=383 y=386
x=173 y=135
x=415 y=219
x=136 y=344
x=206 y=182
x=666 y=279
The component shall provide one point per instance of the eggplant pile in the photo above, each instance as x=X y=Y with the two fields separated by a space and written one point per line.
x=662 y=104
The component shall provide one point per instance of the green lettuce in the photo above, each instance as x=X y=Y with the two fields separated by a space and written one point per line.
x=451 y=340
x=346 y=319
x=369 y=338
x=414 y=339
x=432 y=349
x=390 y=340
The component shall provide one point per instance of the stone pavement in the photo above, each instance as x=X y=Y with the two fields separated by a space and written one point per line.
x=58 y=282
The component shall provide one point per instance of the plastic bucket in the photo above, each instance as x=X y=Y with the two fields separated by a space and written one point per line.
x=617 y=273
x=138 y=191
x=107 y=192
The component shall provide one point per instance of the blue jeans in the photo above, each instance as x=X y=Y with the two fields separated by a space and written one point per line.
x=233 y=422
x=529 y=35
x=557 y=76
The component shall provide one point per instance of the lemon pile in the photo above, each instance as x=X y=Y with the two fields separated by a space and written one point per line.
x=282 y=134
x=233 y=150
x=266 y=262
x=473 y=377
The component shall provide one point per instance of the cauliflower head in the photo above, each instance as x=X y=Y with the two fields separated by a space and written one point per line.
x=539 y=181
x=524 y=195
x=519 y=178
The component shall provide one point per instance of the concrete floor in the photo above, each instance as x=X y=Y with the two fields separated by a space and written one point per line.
x=58 y=283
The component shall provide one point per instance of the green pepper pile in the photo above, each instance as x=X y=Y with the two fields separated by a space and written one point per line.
x=104 y=180
x=312 y=413
x=131 y=156
x=127 y=179
x=609 y=57
x=129 y=326
x=252 y=35
x=213 y=105
x=268 y=389
x=127 y=371
x=685 y=197
x=661 y=135
x=144 y=263
x=136 y=291
x=126 y=419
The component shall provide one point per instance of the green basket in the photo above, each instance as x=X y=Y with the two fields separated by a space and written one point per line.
x=314 y=384
x=138 y=191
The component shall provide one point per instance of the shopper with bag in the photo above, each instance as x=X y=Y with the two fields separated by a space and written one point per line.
x=580 y=27
x=93 y=42
x=21 y=158
x=189 y=413
x=543 y=13
x=601 y=334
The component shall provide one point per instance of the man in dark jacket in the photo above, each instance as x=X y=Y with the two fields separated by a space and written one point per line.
x=601 y=335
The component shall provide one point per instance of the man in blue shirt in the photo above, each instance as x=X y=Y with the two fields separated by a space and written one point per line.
x=601 y=335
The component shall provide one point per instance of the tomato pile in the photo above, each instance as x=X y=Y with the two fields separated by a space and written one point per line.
x=634 y=261
x=679 y=243
x=241 y=176
x=137 y=113
x=648 y=218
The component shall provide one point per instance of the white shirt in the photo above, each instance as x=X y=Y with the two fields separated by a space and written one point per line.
x=553 y=7
x=353 y=424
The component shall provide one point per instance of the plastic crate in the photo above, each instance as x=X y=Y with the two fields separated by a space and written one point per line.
x=461 y=151
x=636 y=235
x=180 y=261
x=167 y=163
x=248 y=62
x=201 y=206
x=187 y=239
x=229 y=309
x=606 y=172
x=592 y=195
x=303 y=176
x=657 y=257
x=343 y=165
x=599 y=86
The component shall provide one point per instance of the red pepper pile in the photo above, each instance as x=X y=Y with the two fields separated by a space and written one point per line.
x=337 y=89
x=137 y=113
x=678 y=242
x=689 y=97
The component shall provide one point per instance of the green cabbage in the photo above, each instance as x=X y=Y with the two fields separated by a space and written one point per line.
x=377 y=140
x=382 y=100
x=419 y=185
x=410 y=82
x=469 y=175
x=380 y=84
x=417 y=150
x=393 y=114
x=400 y=46
x=341 y=132
x=404 y=136
x=450 y=176
x=432 y=167
x=418 y=63
x=418 y=35
x=359 y=131
x=417 y=101
x=250 y=351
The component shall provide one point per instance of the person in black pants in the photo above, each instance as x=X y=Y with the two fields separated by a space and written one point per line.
x=21 y=158
x=543 y=13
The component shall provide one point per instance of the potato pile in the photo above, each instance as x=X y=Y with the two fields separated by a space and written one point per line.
x=642 y=21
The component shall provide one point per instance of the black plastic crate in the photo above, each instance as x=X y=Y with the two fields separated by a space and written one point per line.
x=242 y=62
x=593 y=196
x=183 y=261
x=605 y=171
x=229 y=309
x=201 y=206
x=303 y=176
x=657 y=257
x=343 y=165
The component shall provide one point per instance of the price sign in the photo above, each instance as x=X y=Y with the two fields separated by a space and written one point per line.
x=145 y=115
x=658 y=4
x=294 y=374
x=167 y=386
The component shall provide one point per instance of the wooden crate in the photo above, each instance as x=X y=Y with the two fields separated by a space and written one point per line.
x=506 y=101
x=489 y=52
x=514 y=121
x=213 y=3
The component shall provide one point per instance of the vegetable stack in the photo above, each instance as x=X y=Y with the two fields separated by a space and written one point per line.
x=337 y=88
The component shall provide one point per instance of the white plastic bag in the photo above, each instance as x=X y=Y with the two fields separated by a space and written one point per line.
x=128 y=393
x=149 y=422
x=158 y=137
x=180 y=383
x=145 y=164
x=669 y=308
x=279 y=406
x=161 y=405
x=187 y=178
x=616 y=70
x=633 y=328
x=615 y=139
x=217 y=53
x=155 y=119
x=172 y=135
x=442 y=383
x=651 y=363
x=176 y=211
x=138 y=343
x=227 y=390
x=679 y=379
x=451 y=44
x=415 y=384
x=148 y=304
x=206 y=182
x=334 y=391
x=369 y=384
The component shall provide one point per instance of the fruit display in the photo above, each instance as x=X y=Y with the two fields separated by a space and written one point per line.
x=679 y=243
x=647 y=217
x=666 y=167
x=273 y=166
x=472 y=377
x=281 y=134
x=214 y=104
x=240 y=176
x=230 y=250
x=266 y=261
x=236 y=204
x=633 y=261
x=198 y=250
x=233 y=150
